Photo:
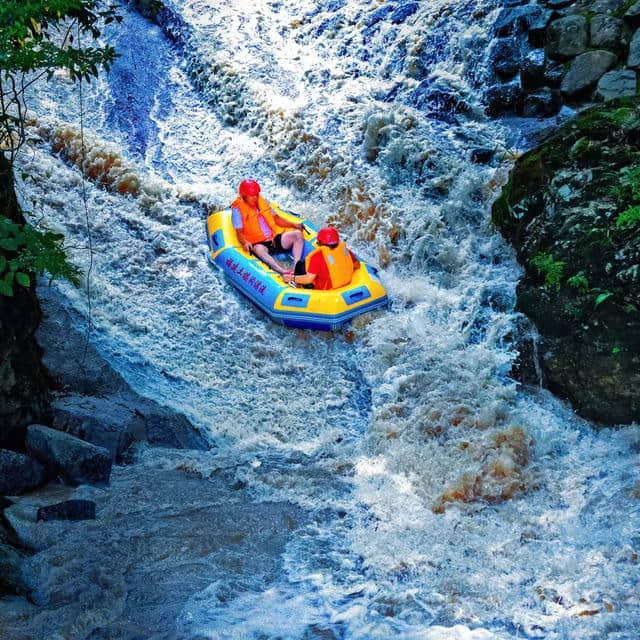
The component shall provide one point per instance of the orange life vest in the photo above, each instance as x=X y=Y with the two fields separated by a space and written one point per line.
x=251 y=229
x=339 y=264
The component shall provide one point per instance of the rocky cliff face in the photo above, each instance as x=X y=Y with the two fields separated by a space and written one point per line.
x=571 y=209
x=23 y=382
x=553 y=52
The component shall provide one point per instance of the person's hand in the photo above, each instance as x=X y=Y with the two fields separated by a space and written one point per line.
x=248 y=247
x=287 y=276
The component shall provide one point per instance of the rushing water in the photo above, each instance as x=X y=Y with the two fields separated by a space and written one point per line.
x=445 y=501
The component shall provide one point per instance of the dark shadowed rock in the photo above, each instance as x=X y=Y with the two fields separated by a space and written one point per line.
x=68 y=510
x=585 y=71
x=633 y=60
x=19 y=473
x=632 y=16
x=567 y=37
x=24 y=388
x=11 y=559
x=516 y=20
x=538 y=26
x=541 y=104
x=438 y=98
x=607 y=32
x=532 y=69
x=526 y=366
x=403 y=12
x=482 y=155
x=504 y=57
x=78 y=462
x=617 y=84
x=553 y=74
x=503 y=98
x=558 y=4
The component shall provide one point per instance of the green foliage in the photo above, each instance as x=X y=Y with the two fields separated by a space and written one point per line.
x=37 y=34
x=624 y=8
x=601 y=297
x=552 y=270
x=628 y=218
x=25 y=250
x=629 y=186
x=36 y=38
x=620 y=116
x=579 y=281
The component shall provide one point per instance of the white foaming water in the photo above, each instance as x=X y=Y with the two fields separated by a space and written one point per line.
x=448 y=503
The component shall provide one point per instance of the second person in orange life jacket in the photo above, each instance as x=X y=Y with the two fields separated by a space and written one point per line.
x=257 y=226
x=331 y=265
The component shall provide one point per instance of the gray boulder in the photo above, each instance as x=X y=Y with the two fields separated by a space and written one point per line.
x=599 y=6
x=634 y=51
x=567 y=37
x=104 y=422
x=78 y=462
x=116 y=421
x=607 y=32
x=585 y=71
x=617 y=84
x=19 y=473
x=632 y=16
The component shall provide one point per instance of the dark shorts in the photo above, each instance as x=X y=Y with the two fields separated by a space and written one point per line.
x=274 y=246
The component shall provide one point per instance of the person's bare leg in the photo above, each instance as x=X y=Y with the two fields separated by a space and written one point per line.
x=263 y=253
x=293 y=240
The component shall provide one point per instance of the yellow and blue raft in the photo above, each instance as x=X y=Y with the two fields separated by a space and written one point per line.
x=282 y=302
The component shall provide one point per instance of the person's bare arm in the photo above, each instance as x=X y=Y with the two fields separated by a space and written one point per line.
x=247 y=246
x=281 y=222
x=307 y=278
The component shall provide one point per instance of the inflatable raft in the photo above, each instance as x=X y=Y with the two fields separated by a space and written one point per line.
x=284 y=303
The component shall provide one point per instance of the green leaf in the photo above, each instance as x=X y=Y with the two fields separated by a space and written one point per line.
x=23 y=279
x=8 y=244
x=615 y=350
x=602 y=297
x=5 y=289
x=3 y=263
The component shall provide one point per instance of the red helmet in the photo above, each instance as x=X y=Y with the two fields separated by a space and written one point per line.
x=328 y=235
x=249 y=188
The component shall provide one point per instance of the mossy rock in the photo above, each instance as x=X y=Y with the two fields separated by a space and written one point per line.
x=569 y=209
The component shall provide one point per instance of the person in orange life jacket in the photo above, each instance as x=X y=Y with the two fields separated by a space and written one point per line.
x=256 y=224
x=331 y=265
